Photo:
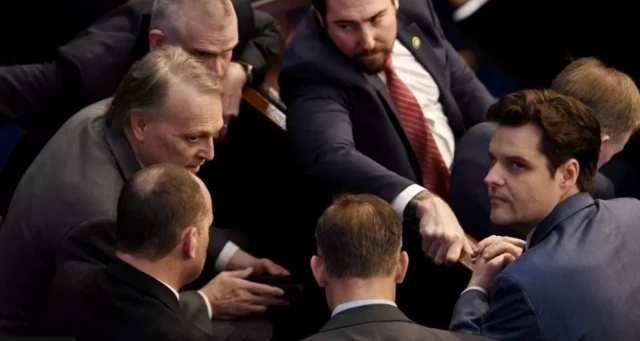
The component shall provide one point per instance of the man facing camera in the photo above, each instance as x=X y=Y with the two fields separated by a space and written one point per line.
x=576 y=280
x=615 y=101
x=167 y=110
x=162 y=235
x=359 y=263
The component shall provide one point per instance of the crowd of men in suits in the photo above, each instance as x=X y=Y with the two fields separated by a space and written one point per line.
x=109 y=227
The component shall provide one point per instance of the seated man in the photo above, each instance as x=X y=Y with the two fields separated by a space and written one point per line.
x=359 y=263
x=577 y=278
x=167 y=110
x=162 y=234
x=614 y=99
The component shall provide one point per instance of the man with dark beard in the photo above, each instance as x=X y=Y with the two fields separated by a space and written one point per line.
x=377 y=99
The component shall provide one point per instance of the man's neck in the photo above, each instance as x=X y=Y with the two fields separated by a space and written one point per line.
x=161 y=270
x=346 y=290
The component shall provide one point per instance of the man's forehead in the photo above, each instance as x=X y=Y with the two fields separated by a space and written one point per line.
x=355 y=9
x=523 y=140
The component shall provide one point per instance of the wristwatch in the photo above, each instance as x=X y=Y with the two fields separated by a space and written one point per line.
x=248 y=68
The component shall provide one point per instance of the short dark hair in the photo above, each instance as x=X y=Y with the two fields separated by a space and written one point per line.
x=154 y=208
x=569 y=128
x=359 y=236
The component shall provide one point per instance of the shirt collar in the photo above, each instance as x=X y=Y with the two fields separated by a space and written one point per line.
x=170 y=288
x=354 y=304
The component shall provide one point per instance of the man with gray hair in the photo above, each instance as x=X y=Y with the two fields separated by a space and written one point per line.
x=235 y=42
x=167 y=110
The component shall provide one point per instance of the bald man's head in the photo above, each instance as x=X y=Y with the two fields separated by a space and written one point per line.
x=155 y=206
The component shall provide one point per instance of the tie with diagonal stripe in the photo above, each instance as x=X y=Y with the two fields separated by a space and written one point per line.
x=435 y=173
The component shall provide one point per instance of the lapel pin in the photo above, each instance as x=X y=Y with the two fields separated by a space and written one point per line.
x=415 y=42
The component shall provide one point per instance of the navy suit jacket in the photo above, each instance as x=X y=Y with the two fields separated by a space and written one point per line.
x=468 y=194
x=578 y=280
x=343 y=122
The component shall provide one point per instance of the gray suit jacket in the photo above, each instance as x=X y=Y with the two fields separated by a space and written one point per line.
x=578 y=280
x=381 y=322
x=468 y=194
x=64 y=209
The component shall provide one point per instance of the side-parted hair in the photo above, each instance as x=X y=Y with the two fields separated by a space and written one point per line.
x=611 y=94
x=171 y=16
x=359 y=236
x=569 y=129
x=155 y=206
x=147 y=86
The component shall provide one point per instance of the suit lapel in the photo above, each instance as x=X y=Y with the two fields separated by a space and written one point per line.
x=410 y=35
x=126 y=159
x=365 y=314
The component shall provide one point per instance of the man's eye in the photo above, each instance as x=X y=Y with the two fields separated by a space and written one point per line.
x=193 y=139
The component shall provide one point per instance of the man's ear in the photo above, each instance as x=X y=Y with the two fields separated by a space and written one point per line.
x=604 y=142
x=569 y=172
x=403 y=266
x=190 y=242
x=396 y=3
x=319 y=271
x=319 y=16
x=157 y=39
x=138 y=123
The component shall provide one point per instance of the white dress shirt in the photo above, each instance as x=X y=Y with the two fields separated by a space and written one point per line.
x=354 y=304
x=426 y=92
x=206 y=300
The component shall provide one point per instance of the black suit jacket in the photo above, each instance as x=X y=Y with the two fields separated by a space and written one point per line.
x=468 y=194
x=384 y=323
x=63 y=210
x=113 y=303
x=343 y=122
x=40 y=97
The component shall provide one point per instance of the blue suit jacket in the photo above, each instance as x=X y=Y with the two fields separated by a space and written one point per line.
x=578 y=280
x=468 y=194
x=343 y=122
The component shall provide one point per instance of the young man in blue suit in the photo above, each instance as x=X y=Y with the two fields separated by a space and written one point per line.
x=377 y=99
x=577 y=278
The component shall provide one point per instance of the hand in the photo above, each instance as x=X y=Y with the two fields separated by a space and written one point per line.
x=231 y=295
x=486 y=270
x=443 y=239
x=494 y=246
x=233 y=84
x=261 y=266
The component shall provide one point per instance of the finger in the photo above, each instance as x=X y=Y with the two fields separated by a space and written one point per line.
x=255 y=309
x=261 y=289
x=268 y=301
x=271 y=267
x=497 y=249
x=283 y=271
x=240 y=273
x=484 y=243
x=453 y=252
x=498 y=263
x=515 y=241
x=432 y=252
x=466 y=245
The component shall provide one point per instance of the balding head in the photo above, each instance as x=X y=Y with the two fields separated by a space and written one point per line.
x=208 y=29
x=156 y=206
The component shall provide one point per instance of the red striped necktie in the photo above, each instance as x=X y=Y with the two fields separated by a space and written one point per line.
x=435 y=173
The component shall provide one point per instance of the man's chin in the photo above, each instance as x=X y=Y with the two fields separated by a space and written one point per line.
x=373 y=66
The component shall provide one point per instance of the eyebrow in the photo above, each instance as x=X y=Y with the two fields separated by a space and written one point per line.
x=345 y=21
x=515 y=158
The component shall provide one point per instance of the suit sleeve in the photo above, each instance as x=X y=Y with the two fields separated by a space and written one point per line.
x=471 y=95
x=194 y=309
x=319 y=125
x=263 y=45
x=508 y=316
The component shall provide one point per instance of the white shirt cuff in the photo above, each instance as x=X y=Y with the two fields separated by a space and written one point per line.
x=474 y=288
x=401 y=201
x=225 y=255
x=206 y=301
x=466 y=10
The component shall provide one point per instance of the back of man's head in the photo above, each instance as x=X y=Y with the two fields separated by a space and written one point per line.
x=359 y=236
x=155 y=207
x=611 y=94
x=172 y=16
